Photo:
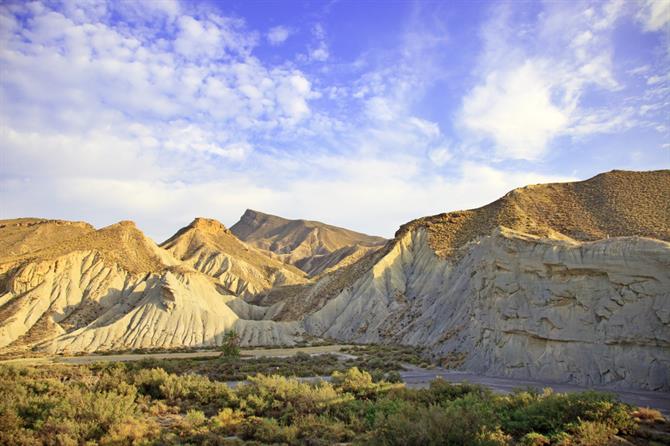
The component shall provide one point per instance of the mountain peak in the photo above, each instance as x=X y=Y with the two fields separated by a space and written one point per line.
x=208 y=224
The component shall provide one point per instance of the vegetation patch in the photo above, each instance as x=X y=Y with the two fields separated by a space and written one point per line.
x=134 y=404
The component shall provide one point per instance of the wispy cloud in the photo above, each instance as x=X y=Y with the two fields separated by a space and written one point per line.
x=159 y=111
x=278 y=35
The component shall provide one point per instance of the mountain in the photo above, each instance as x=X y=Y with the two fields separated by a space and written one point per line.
x=562 y=282
x=92 y=290
x=208 y=246
x=312 y=246
x=558 y=282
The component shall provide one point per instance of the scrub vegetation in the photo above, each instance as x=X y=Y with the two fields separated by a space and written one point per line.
x=142 y=404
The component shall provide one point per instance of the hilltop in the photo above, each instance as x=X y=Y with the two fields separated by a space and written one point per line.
x=312 y=246
x=208 y=246
x=612 y=204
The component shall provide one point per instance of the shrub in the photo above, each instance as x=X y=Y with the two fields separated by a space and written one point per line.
x=317 y=431
x=231 y=344
x=284 y=397
x=466 y=421
x=228 y=420
x=534 y=439
x=393 y=377
x=550 y=413
x=647 y=414
x=593 y=433
x=354 y=381
x=267 y=431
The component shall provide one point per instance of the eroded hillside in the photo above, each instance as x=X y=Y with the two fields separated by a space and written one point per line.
x=564 y=282
x=312 y=246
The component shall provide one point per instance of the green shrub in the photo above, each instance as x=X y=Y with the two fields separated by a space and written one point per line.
x=284 y=397
x=354 y=381
x=534 y=439
x=465 y=421
x=317 y=431
x=550 y=413
x=267 y=431
x=230 y=348
x=593 y=433
x=228 y=420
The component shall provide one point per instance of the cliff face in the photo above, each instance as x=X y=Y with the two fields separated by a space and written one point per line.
x=521 y=306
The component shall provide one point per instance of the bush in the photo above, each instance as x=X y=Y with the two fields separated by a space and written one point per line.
x=231 y=344
x=550 y=413
x=317 y=431
x=534 y=439
x=467 y=421
x=228 y=420
x=284 y=397
x=647 y=414
x=593 y=433
x=188 y=389
x=354 y=381
x=267 y=431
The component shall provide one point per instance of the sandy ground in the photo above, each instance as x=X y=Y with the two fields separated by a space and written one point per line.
x=413 y=376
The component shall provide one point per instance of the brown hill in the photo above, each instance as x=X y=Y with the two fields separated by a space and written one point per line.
x=23 y=235
x=309 y=245
x=122 y=243
x=612 y=204
x=209 y=247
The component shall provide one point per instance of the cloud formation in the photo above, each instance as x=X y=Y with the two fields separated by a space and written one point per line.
x=161 y=111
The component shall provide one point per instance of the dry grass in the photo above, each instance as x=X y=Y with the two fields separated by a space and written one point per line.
x=647 y=414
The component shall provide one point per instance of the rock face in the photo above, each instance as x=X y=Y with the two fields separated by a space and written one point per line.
x=312 y=246
x=207 y=246
x=573 y=292
x=557 y=282
x=517 y=305
x=115 y=289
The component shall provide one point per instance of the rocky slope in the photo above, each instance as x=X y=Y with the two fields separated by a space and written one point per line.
x=560 y=282
x=114 y=289
x=208 y=246
x=586 y=299
x=312 y=246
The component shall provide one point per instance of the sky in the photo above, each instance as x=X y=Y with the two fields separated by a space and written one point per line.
x=363 y=114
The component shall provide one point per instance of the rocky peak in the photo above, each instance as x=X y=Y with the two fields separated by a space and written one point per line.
x=208 y=225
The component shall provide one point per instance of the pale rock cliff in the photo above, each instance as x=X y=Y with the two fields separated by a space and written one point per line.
x=517 y=305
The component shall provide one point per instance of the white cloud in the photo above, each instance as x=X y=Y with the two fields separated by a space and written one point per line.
x=530 y=90
x=440 y=156
x=319 y=52
x=654 y=15
x=278 y=35
x=515 y=109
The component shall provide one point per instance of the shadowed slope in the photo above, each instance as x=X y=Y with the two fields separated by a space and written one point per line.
x=312 y=246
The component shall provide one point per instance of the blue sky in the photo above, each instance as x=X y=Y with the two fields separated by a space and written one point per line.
x=364 y=114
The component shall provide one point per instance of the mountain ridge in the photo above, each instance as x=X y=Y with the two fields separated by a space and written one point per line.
x=310 y=245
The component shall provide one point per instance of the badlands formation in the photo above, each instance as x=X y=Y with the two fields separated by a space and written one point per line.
x=312 y=246
x=560 y=282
